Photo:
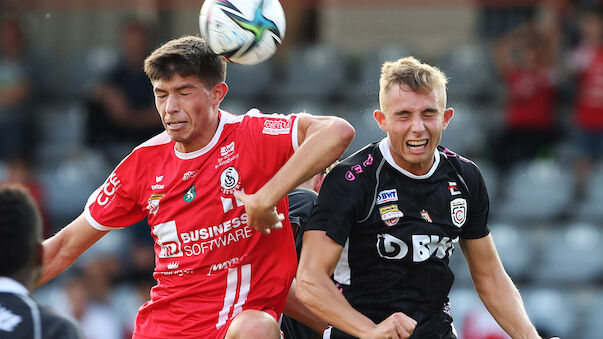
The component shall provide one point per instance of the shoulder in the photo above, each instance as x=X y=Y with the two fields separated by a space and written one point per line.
x=57 y=326
x=460 y=163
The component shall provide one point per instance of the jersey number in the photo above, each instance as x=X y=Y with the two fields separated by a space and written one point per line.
x=238 y=282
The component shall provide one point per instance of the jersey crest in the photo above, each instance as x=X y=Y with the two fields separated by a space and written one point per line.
x=458 y=211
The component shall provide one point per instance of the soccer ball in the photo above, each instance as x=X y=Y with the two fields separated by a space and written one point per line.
x=243 y=31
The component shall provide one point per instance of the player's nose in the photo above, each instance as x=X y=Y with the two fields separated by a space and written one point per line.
x=171 y=104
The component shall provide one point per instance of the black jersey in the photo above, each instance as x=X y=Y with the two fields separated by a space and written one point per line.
x=398 y=230
x=21 y=317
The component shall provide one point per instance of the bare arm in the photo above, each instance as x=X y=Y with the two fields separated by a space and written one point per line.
x=315 y=289
x=62 y=249
x=298 y=311
x=495 y=288
x=322 y=141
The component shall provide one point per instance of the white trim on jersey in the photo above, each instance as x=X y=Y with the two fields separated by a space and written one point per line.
x=342 y=273
x=35 y=316
x=89 y=217
x=10 y=285
x=160 y=139
x=384 y=148
x=294 y=132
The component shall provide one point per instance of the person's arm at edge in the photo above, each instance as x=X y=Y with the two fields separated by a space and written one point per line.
x=62 y=249
x=318 y=292
x=298 y=311
x=322 y=140
x=495 y=288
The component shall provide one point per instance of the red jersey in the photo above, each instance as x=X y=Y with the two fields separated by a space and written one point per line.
x=209 y=264
x=531 y=96
x=589 y=106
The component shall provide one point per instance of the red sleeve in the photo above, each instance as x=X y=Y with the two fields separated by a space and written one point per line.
x=274 y=138
x=114 y=204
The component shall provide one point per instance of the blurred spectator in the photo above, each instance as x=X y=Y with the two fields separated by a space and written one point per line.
x=96 y=320
x=586 y=62
x=16 y=129
x=525 y=58
x=121 y=110
x=19 y=170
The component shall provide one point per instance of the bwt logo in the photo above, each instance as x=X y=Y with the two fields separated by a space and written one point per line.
x=387 y=196
x=108 y=190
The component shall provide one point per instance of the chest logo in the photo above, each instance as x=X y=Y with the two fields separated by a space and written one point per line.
x=228 y=149
x=229 y=180
x=153 y=203
x=390 y=214
x=425 y=216
x=458 y=211
x=190 y=194
x=387 y=196
x=452 y=188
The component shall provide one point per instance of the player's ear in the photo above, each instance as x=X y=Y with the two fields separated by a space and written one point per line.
x=380 y=117
x=448 y=114
x=218 y=92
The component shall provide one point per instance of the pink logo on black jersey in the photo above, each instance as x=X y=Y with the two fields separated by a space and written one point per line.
x=357 y=169
x=350 y=176
x=368 y=161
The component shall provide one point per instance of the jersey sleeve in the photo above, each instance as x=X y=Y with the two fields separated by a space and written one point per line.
x=274 y=137
x=114 y=204
x=479 y=205
x=338 y=207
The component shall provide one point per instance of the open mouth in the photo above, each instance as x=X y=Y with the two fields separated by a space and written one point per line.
x=417 y=144
x=176 y=124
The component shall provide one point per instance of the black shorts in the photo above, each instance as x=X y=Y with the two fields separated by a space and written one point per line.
x=436 y=326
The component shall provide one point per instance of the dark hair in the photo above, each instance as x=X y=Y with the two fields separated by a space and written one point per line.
x=20 y=228
x=186 y=56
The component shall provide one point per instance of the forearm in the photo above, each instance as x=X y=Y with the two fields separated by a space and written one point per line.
x=298 y=311
x=323 y=144
x=503 y=301
x=323 y=298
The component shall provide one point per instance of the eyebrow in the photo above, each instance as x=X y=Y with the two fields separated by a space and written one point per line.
x=427 y=110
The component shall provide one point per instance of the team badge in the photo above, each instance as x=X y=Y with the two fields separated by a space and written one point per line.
x=458 y=211
x=387 y=196
x=230 y=180
x=452 y=188
x=390 y=214
x=190 y=194
x=425 y=216
x=153 y=203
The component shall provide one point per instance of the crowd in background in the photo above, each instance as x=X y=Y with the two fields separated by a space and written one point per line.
x=539 y=108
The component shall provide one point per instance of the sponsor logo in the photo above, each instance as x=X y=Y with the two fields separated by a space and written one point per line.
x=390 y=214
x=189 y=175
x=229 y=180
x=157 y=187
x=452 y=188
x=228 y=149
x=153 y=203
x=158 y=178
x=357 y=169
x=387 y=196
x=167 y=239
x=190 y=194
x=425 y=216
x=8 y=320
x=107 y=193
x=275 y=127
x=173 y=265
x=368 y=161
x=421 y=246
x=226 y=160
x=224 y=265
x=350 y=176
x=458 y=211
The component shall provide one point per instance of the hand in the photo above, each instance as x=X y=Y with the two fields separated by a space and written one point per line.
x=396 y=326
x=260 y=217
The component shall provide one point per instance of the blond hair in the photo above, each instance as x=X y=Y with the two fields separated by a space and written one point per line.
x=419 y=77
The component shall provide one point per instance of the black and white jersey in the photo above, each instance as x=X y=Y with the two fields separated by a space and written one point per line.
x=398 y=230
x=22 y=318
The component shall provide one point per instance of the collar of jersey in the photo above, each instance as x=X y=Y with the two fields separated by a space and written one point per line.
x=387 y=154
x=225 y=118
x=10 y=285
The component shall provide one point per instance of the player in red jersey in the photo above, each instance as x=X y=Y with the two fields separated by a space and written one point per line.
x=213 y=187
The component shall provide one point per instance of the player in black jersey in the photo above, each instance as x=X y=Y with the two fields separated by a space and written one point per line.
x=20 y=267
x=388 y=218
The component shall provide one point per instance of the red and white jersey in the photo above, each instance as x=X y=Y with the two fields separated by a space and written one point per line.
x=209 y=264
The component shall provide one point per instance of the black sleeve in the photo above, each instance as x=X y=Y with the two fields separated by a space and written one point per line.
x=479 y=204
x=339 y=205
x=55 y=326
x=301 y=202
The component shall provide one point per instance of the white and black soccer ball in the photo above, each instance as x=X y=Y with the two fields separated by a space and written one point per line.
x=243 y=31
